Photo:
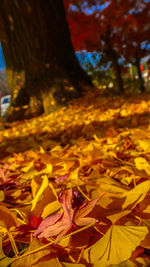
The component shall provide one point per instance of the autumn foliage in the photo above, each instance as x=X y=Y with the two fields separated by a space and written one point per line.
x=114 y=29
x=74 y=185
x=89 y=20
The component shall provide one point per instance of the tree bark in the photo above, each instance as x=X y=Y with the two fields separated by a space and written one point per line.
x=114 y=58
x=141 y=80
x=40 y=60
x=117 y=69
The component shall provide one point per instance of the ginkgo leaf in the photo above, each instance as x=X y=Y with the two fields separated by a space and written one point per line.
x=127 y=263
x=112 y=165
x=31 y=173
x=50 y=208
x=136 y=195
x=68 y=264
x=141 y=261
x=132 y=198
x=142 y=164
x=27 y=168
x=2 y=196
x=34 y=257
x=116 y=245
x=40 y=192
x=34 y=187
x=145 y=144
x=47 y=261
x=7 y=218
x=4 y=260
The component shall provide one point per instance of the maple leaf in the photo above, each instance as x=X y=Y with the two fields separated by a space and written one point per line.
x=4 y=173
x=59 y=224
x=80 y=218
x=33 y=224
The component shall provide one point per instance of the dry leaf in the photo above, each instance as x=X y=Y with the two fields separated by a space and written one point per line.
x=116 y=245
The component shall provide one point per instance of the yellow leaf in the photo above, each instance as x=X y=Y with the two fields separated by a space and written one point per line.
x=27 y=168
x=48 y=169
x=64 y=242
x=141 y=261
x=136 y=195
x=16 y=193
x=4 y=261
x=56 y=148
x=7 y=218
x=142 y=164
x=74 y=174
x=68 y=264
x=132 y=198
x=37 y=258
x=31 y=173
x=34 y=187
x=2 y=196
x=126 y=180
x=53 y=190
x=40 y=191
x=54 y=262
x=50 y=208
x=127 y=263
x=116 y=245
x=42 y=149
x=145 y=144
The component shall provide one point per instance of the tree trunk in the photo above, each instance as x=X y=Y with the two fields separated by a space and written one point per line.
x=117 y=69
x=141 y=80
x=40 y=60
x=114 y=58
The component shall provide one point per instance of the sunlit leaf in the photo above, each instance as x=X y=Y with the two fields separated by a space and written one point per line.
x=50 y=208
x=130 y=200
x=80 y=218
x=145 y=144
x=2 y=196
x=116 y=245
x=27 y=168
x=34 y=257
x=136 y=195
x=68 y=264
x=40 y=191
x=60 y=223
x=7 y=218
x=142 y=164
x=4 y=260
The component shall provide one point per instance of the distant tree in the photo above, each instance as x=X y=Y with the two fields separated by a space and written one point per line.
x=37 y=47
x=104 y=21
x=117 y=30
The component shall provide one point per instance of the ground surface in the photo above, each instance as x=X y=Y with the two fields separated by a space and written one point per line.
x=75 y=185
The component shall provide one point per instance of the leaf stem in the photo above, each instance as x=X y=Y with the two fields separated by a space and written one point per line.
x=54 y=241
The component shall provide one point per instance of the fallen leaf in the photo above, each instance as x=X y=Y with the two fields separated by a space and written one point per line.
x=34 y=257
x=142 y=164
x=116 y=245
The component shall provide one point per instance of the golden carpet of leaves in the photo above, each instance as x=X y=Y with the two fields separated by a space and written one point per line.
x=75 y=185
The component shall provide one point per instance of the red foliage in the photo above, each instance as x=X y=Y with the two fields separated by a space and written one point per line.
x=89 y=30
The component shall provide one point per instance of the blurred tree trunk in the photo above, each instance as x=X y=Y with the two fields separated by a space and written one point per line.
x=41 y=66
x=114 y=58
x=117 y=69
x=141 y=80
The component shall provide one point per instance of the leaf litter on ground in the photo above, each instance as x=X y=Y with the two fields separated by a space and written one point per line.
x=75 y=185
